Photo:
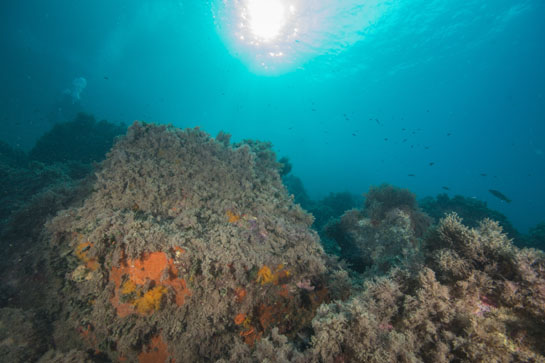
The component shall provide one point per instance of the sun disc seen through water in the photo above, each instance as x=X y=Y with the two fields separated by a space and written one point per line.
x=276 y=36
x=266 y=18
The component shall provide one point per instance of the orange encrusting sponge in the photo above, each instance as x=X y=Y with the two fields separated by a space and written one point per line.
x=155 y=267
x=266 y=276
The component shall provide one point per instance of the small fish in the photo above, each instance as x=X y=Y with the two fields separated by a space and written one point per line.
x=446 y=188
x=483 y=174
x=404 y=140
x=411 y=175
x=378 y=122
x=403 y=129
x=449 y=134
x=431 y=163
x=385 y=139
x=106 y=78
x=499 y=195
x=426 y=147
x=353 y=134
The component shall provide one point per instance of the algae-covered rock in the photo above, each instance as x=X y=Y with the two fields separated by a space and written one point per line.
x=385 y=234
x=192 y=248
x=474 y=297
x=82 y=140
x=183 y=248
x=471 y=210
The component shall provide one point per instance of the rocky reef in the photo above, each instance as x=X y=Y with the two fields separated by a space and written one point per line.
x=55 y=175
x=385 y=233
x=432 y=293
x=82 y=140
x=181 y=247
x=471 y=210
x=473 y=297
x=188 y=247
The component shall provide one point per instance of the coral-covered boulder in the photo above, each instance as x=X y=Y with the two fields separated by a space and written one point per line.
x=187 y=248
x=474 y=297
x=385 y=234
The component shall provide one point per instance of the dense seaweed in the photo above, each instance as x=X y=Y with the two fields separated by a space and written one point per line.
x=470 y=209
x=182 y=247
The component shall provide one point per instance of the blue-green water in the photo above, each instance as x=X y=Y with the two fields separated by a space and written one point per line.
x=420 y=94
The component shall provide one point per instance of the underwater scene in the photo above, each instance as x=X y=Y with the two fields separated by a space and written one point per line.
x=299 y=181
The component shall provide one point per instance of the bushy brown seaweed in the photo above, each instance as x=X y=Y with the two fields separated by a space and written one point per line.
x=221 y=222
x=386 y=233
x=476 y=298
x=190 y=249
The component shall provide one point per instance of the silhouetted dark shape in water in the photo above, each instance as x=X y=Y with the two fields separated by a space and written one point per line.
x=83 y=140
x=471 y=210
x=286 y=166
x=499 y=195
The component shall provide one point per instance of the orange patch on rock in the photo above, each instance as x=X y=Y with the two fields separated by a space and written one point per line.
x=178 y=249
x=157 y=352
x=154 y=267
x=266 y=276
x=284 y=291
x=240 y=293
x=239 y=319
x=150 y=301
x=265 y=315
x=250 y=336
x=82 y=251
x=233 y=218
x=123 y=309
x=180 y=289
x=151 y=267
x=92 y=264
